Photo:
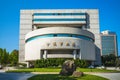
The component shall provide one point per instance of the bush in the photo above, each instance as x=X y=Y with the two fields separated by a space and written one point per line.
x=57 y=62
x=81 y=63
x=48 y=63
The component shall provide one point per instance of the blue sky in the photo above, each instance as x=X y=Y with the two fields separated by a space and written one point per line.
x=109 y=13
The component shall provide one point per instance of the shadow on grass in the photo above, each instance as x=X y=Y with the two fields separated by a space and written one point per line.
x=51 y=77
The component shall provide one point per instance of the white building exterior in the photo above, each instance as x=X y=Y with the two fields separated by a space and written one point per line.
x=59 y=33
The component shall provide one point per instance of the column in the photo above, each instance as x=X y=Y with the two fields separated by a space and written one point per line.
x=83 y=27
x=45 y=54
x=80 y=55
x=74 y=54
x=34 y=27
x=27 y=64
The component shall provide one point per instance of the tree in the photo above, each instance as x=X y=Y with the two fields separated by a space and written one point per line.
x=108 y=60
x=4 y=56
x=14 y=57
x=1 y=55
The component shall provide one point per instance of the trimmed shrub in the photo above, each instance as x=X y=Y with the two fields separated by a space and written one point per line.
x=57 y=62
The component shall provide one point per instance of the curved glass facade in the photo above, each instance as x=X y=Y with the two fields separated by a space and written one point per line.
x=60 y=35
x=108 y=45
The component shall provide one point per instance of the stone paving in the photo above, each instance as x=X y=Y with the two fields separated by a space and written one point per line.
x=110 y=76
x=14 y=76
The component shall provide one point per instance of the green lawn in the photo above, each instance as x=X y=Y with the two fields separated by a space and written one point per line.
x=95 y=70
x=36 y=70
x=58 y=70
x=58 y=77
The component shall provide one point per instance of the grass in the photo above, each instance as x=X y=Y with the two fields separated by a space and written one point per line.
x=36 y=70
x=58 y=70
x=95 y=70
x=58 y=77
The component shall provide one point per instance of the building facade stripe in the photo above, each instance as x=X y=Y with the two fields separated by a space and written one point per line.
x=60 y=35
x=47 y=17
x=59 y=22
x=61 y=19
x=49 y=14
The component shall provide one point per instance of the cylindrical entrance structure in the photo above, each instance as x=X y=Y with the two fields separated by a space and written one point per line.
x=59 y=42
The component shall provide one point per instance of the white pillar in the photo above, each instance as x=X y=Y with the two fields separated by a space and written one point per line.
x=35 y=27
x=45 y=54
x=74 y=54
x=28 y=64
x=83 y=27
x=80 y=55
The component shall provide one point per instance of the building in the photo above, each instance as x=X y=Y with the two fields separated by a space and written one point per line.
x=59 y=33
x=109 y=43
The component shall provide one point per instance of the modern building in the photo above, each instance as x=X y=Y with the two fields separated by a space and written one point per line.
x=109 y=43
x=59 y=33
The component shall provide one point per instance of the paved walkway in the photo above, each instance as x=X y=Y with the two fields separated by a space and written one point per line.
x=113 y=68
x=110 y=76
x=15 y=76
x=1 y=70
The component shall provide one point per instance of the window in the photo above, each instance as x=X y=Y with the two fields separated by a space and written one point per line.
x=65 y=35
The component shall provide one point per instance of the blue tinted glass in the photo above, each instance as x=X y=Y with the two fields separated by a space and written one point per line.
x=60 y=35
x=107 y=38
x=108 y=45
x=49 y=35
x=63 y=35
x=74 y=35
x=83 y=37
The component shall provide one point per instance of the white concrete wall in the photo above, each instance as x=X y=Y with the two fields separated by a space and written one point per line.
x=25 y=27
x=33 y=48
x=54 y=30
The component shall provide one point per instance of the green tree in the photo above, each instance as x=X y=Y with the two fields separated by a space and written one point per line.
x=108 y=60
x=4 y=56
x=14 y=57
x=1 y=55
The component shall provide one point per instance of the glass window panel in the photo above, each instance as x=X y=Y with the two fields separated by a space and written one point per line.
x=61 y=35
